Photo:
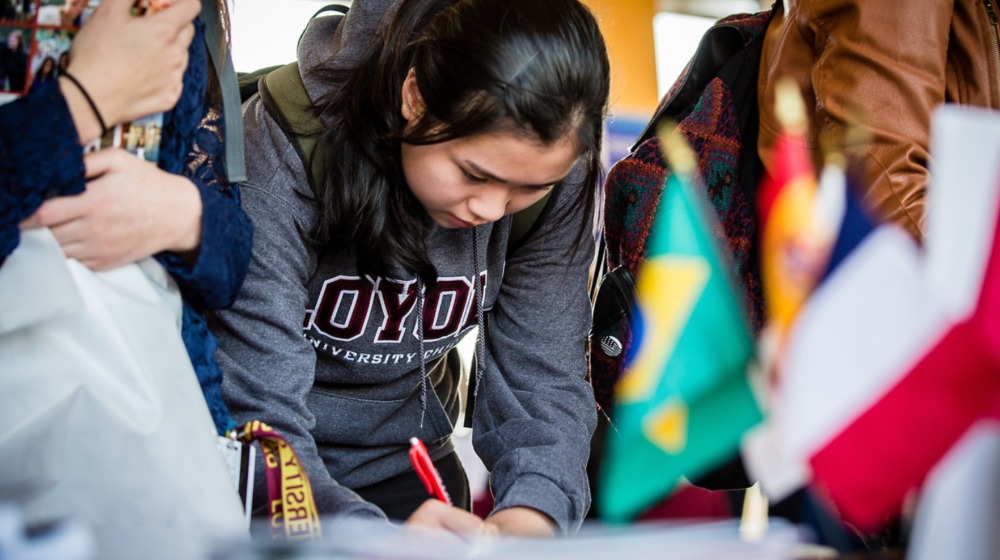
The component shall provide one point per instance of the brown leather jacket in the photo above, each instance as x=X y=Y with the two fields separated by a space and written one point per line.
x=890 y=62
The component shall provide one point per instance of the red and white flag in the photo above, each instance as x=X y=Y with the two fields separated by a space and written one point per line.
x=897 y=353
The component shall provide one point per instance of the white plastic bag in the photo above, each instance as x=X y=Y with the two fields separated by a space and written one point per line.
x=101 y=415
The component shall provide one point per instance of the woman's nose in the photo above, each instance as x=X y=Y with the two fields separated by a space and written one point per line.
x=490 y=203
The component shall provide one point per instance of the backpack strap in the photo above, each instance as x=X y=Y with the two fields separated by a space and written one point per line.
x=525 y=222
x=338 y=8
x=285 y=98
x=248 y=81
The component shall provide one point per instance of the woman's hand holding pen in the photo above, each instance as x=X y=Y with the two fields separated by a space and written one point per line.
x=435 y=514
x=522 y=522
x=511 y=522
x=440 y=514
x=130 y=66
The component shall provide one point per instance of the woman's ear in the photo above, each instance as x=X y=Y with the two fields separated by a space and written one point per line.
x=413 y=103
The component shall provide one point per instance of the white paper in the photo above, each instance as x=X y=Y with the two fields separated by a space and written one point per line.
x=689 y=540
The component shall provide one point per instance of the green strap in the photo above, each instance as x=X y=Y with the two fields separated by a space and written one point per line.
x=286 y=100
x=525 y=222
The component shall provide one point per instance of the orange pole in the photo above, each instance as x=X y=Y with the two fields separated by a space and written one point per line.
x=628 y=31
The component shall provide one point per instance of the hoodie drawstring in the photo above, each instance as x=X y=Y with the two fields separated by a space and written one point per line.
x=420 y=337
x=479 y=301
x=480 y=297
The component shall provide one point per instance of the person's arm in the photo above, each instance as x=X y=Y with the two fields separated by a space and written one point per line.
x=41 y=134
x=535 y=411
x=129 y=66
x=269 y=366
x=40 y=156
x=187 y=214
x=210 y=275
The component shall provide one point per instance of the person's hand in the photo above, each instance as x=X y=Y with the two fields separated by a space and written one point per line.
x=437 y=515
x=131 y=66
x=522 y=522
x=130 y=210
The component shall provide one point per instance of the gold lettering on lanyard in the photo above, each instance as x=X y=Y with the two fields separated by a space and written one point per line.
x=292 y=509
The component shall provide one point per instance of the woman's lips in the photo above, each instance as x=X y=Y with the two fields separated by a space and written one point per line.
x=459 y=222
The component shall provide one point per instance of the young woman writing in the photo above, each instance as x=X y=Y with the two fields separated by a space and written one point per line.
x=455 y=115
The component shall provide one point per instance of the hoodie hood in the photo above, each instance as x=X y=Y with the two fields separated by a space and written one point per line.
x=338 y=42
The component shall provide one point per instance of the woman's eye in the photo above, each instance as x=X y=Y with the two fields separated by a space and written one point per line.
x=473 y=178
x=541 y=188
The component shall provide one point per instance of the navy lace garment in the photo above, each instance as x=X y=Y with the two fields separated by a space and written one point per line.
x=192 y=145
x=40 y=157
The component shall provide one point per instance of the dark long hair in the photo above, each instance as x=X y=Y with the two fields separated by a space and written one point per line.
x=538 y=68
x=49 y=73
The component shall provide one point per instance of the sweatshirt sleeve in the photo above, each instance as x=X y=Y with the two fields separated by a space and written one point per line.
x=535 y=412
x=269 y=366
x=40 y=157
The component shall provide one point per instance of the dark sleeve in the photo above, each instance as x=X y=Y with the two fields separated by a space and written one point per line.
x=214 y=279
x=40 y=157
x=193 y=144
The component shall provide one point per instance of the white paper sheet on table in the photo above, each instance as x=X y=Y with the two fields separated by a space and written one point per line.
x=678 y=540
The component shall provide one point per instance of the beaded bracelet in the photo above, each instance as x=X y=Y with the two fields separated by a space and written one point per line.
x=90 y=100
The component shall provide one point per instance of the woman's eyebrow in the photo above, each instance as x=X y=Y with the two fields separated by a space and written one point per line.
x=487 y=175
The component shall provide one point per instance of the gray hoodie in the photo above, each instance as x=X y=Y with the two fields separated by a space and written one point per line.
x=332 y=360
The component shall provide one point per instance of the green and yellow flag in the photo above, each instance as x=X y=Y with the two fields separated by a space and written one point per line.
x=685 y=400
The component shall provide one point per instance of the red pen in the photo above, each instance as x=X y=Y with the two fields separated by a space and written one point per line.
x=425 y=470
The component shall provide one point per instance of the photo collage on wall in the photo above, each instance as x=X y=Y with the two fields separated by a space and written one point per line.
x=35 y=40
